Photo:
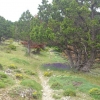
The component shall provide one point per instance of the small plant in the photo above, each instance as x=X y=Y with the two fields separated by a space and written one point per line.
x=12 y=66
x=8 y=50
x=19 y=76
x=30 y=72
x=69 y=92
x=94 y=91
x=35 y=95
x=32 y=84
x=1 y=67
x=2 y=85
x=18 y=71
x=12 y=47
x=3 y=75
x=57 y=96
x=47 y=73
x=56 y=85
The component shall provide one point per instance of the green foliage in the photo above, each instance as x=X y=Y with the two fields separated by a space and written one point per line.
x=72 y=82
x=5 y=80
x=24 y=25
x=47 y=73
x=30 y=72
x=69 y=23
x=2 y=85
x=32 y=84
x=18 y=71
x=10 y=41
x=56 y=85
x=12 y=66
x=69 y=92
x=3 y=75
x=8 y=50
x=6 y=28
x=95 y=93
x=1 y=66
x=20 y=61
x=12 y=47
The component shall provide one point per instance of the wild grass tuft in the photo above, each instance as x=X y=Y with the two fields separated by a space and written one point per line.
x=20 y=61
x=32 y=84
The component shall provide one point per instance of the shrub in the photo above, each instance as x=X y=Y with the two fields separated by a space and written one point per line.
x=1 y=67
x=69 y=92
x=12 y=47
x=18 y=71
x=56 y=85
x=2 y=85
x=3 y=75
x=35 y=95
x=8 y=50
x=19 y=76
x=30 y=72
x=57 y=96
x=12 y=66
x=47 y=73
x=94 y=91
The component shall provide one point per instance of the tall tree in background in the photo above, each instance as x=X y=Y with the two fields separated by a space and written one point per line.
x=44 y=11
x=6 y=28
x=24 y=28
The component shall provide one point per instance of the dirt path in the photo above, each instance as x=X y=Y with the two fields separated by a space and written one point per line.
x=47 y=91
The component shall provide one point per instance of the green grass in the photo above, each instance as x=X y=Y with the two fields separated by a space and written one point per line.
x=72 y=82
x=20 y=61
x=60 y=79
x=31 y=83
x=5 y=80
x=2 y=85
x=34 y=85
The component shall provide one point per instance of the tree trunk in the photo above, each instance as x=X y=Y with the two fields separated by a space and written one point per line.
x=28 y=48
x=90 y=62
x=67 y=52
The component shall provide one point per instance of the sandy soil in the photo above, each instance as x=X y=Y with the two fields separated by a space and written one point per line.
x=47 y=91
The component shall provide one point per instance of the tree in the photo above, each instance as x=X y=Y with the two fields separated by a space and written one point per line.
x=6 y=28
x=73 y=26
x=44 y=11
x=24 y=28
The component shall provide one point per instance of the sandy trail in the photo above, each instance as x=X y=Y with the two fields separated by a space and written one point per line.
x=47 y=91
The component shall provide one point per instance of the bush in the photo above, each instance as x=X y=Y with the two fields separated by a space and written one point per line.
x=18 y=71
x=19 y=76
x=47 y=73
x=56 y=85
x=94 y=91
x=69 y=92
x=2 y=85
x=12 y=66
x=30 y=72
x=8 y=50
x=3 y=75
x=1 y=67
x=12 y=47
x=35 y=95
